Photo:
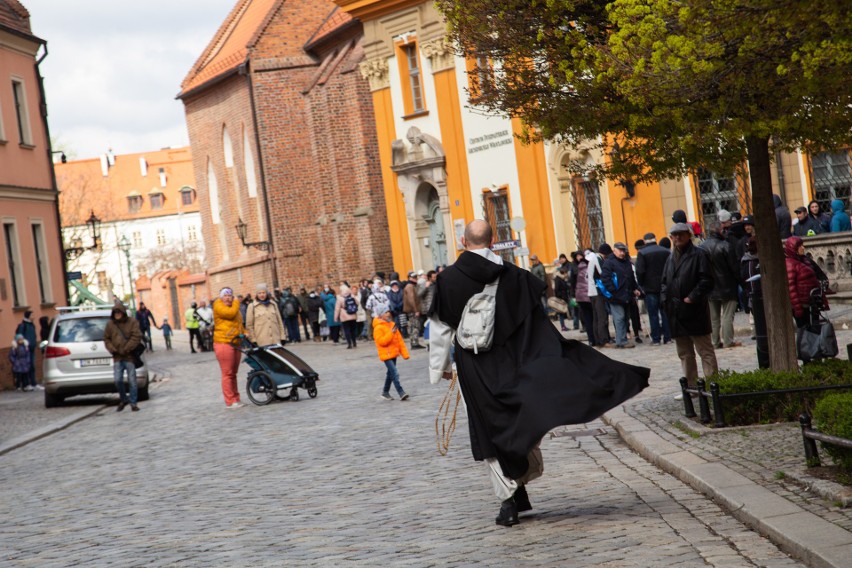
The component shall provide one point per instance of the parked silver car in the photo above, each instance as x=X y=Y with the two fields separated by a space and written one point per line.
x=76 y=360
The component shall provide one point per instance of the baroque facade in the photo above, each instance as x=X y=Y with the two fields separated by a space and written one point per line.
x=281 y=127
x=445 y=162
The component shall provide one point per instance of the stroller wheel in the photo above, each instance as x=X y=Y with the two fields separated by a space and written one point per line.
x=294 y=394
x=260 y=388
x=312 y=392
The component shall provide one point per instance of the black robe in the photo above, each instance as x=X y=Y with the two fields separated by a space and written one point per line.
x=532 y=380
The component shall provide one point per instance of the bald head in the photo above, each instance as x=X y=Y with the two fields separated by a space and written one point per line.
x=477 y=235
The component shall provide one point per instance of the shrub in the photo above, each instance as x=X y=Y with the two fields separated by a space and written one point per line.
x=833 y=416
x=778 y=407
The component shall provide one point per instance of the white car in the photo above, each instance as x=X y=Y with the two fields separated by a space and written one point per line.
x=76 y=360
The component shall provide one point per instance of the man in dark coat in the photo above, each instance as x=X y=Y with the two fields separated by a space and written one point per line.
x=686 y=286
x=725 y=294
x=620 y=283
x=530 y=381
x=121 y=337
x=782 y=215
x=650 y=262
x=807 y=226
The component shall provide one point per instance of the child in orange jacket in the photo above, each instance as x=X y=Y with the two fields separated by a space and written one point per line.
x=390 y=345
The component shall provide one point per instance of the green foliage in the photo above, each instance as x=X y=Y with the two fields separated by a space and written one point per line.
x=681 y=83
x=768 y=409
x=833 y=416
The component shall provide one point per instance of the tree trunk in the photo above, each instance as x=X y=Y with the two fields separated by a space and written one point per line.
x=773 y=270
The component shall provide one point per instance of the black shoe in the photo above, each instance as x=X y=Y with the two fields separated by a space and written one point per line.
x=638 y=339
x=522 y=500
x=418 y=346
x=134 y=408
x=508 y=516
x=193 y=351
x=121 y=406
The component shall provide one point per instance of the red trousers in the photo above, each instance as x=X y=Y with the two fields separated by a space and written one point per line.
x=229 y=361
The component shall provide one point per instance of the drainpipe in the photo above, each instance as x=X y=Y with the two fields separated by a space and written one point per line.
x=245 y=71
x=782 y=191
x=53 y=186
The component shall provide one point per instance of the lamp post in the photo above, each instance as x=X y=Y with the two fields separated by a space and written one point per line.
x=242 y=231
x=124 y=245
x=73 y=253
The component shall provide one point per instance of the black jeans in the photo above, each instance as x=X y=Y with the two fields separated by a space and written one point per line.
x=196 y=333
x=349 y=328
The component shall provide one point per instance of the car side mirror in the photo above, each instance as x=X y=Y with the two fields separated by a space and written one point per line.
x=43 y=345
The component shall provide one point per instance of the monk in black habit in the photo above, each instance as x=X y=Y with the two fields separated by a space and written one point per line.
x=530 y=381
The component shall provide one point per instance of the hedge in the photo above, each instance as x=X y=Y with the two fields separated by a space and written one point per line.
x=833 y=416
x=782 y=407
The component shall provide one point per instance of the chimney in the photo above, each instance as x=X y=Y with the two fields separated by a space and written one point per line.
x=143 y=166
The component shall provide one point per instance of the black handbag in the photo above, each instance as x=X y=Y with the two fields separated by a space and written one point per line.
x=816 y=341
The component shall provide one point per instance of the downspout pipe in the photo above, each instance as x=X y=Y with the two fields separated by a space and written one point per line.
x=244 y=69
x=53 y=185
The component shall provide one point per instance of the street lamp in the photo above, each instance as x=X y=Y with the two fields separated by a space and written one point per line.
x=242 y=231
x=94 y=224
x=62 y=157
x=124 y=245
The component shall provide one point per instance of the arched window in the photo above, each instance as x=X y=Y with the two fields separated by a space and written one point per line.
x=248 y=163
x=228 y=148
x=213 y=189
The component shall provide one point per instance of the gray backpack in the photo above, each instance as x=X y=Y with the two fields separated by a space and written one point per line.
x=476 y=327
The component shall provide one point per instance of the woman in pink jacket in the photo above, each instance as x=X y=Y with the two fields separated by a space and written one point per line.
x=346 y=312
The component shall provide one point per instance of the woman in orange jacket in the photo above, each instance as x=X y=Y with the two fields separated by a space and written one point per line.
x=390 y=345
x=228 y=325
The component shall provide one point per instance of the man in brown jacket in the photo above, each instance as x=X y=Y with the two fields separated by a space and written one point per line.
x=121 y=336
x=411 y=307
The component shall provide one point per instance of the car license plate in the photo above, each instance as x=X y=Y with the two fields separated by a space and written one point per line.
x=95 y=362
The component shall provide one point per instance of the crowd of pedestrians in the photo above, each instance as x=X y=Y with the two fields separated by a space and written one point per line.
x=690 y=284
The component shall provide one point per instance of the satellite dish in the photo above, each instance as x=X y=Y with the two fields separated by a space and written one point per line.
x=518 y=224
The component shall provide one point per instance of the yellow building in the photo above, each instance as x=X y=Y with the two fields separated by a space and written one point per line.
x=445 y=162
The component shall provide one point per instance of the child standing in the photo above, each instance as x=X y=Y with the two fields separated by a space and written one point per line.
x=167 y=333
x=19 y=355
x=390 y=345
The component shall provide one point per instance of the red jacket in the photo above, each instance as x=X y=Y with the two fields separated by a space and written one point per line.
x=801 y=278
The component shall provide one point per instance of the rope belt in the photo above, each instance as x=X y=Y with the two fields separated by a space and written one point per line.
x=444 y=425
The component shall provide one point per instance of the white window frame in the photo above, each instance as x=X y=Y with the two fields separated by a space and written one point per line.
x=161 y=237
x=17 y=286
x=22 y=111
x=137 y=239
x=3 y=138
x=192 y=233
x=42 y=262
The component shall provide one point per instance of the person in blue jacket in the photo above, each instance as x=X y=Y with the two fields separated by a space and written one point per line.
x=839 y=219
x=329 y=300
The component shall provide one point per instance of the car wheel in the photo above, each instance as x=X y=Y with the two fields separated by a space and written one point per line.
x=51 y=400
x=142 y=393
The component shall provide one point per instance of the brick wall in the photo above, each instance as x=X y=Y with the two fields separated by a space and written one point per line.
x=320 y=158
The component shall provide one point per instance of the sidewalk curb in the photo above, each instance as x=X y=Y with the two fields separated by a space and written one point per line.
x=798 y=532
x=58 y=425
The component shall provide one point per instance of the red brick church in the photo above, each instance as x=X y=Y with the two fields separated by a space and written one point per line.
x=283 y=139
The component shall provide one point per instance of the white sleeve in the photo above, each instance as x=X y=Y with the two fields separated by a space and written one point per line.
x=440 y=344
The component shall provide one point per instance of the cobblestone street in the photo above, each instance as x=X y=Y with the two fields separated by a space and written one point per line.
x=343 y=479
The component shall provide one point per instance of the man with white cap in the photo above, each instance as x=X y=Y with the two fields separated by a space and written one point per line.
x=685 y=289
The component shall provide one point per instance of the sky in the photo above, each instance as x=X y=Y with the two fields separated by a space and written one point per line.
x=114 y=67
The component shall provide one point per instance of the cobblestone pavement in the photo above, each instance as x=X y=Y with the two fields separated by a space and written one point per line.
x=343 y=479
x=771 y=455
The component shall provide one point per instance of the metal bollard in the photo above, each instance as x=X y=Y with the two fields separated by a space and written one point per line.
x=688 y=407
x=703 y=405
x=717 y=405
x=811 y=453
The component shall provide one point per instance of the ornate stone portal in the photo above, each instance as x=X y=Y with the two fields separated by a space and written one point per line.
x=420 y=166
